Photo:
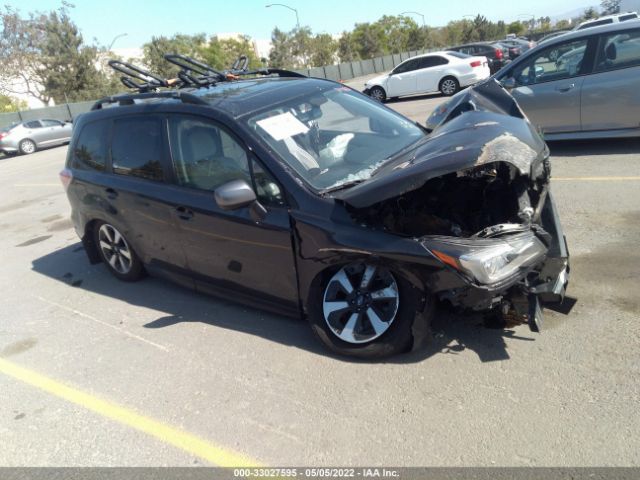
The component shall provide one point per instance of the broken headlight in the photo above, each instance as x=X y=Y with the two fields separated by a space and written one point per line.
x=488 y=260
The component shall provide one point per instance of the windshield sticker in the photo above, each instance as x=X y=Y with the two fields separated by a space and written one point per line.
x=282 y=126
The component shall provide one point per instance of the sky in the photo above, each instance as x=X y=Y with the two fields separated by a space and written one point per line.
x=104 y=20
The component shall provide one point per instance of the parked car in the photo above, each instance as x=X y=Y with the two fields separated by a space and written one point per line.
x=305 y=197
x=27 y=137
x=552 y=35
x=590 y=91
x=607 y=19
x=446 y=72
x=512 y=52
x=497 y=55
x=523 y=44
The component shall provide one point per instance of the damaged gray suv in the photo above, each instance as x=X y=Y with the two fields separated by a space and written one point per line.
x=305 y=197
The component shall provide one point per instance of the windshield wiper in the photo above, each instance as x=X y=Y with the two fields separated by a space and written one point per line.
x=348 y=184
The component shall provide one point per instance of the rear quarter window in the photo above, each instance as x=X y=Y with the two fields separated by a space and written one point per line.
x=90 y=151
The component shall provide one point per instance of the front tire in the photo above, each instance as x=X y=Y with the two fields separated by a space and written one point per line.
x=27 y=146
x=363 y=310
x=378 y=93
x=116 y=253
x=449 y=86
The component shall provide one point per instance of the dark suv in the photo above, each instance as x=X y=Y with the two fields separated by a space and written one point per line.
x=305 y=197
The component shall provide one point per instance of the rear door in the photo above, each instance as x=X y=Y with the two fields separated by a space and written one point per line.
x=229 y=250
x=549 y=91
x=136 y=191
x=403 y=79
x=611 y=94
x=35 y=131
x=431 y=71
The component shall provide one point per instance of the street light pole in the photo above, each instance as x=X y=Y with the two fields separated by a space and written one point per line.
x=114 y=40
x=290 y=8
x=416 y=13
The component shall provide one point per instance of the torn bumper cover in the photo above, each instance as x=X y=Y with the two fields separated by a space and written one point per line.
x=483 y=273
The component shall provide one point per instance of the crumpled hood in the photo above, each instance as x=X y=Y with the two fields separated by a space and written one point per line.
x=477 y=126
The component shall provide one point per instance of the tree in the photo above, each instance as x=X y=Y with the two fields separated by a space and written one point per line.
x=563 y=25
x=153 y=52
x=590 y=13
x=11 y=104
x=221 y=54
x=516 y=27
x=610 y=6
x=281 y=54
x=347 y=48
x=323 y=50
x=44 y=56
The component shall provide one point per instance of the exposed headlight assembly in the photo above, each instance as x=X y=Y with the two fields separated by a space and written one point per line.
x=488 y=260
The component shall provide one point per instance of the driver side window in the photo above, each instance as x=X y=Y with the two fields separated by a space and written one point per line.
x=554 y=63
x=408 y=66
x=204 y=155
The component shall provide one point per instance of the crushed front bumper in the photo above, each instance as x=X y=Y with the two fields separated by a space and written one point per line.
x=544 y=282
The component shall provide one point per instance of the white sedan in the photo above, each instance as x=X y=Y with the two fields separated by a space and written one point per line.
x=446 y=72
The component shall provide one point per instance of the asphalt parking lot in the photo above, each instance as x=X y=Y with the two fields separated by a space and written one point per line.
x=95 y=372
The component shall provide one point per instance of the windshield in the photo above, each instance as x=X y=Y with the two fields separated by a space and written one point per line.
x=335 y=137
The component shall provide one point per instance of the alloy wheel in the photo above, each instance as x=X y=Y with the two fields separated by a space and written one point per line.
x=378 y=94
x=360 y=302
x=115 y=249
x=449 y=86
x=27 y=146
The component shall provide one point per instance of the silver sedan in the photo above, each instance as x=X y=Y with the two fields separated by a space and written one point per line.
x=27 y=137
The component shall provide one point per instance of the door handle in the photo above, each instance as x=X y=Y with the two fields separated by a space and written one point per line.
x=111 y=193
x=184 y=213
x=566 y=88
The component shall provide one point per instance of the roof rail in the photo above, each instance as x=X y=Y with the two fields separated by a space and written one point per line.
x=138 y=78
x=129 y=98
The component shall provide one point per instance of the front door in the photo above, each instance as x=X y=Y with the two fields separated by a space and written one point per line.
x=230 y=251
x=549 y=91
x=403 y=79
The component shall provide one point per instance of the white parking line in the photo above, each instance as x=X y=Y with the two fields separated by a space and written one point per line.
x=101 y=322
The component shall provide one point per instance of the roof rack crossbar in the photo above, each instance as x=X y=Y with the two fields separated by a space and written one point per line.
x=129 y=98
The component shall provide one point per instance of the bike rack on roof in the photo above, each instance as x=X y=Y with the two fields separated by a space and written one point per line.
x=138 y=78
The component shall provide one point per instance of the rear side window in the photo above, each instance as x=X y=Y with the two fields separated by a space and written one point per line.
x=51 y=123
x=90 y=152
x=136 y=148
x=33 y=124
x=621 y=50
x=434 y=61
x=464 y=52
x=629 y=16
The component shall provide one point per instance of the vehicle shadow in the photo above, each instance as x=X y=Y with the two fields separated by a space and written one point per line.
x=577 y=148
x=452 y=334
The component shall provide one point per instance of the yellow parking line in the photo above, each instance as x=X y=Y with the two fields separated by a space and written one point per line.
x=596 y=179
x=185 y=441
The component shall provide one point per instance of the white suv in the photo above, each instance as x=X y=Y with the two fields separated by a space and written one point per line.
x=618 y=17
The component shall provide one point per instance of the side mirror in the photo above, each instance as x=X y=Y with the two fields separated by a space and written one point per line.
x=234 y=194
x=509 y=83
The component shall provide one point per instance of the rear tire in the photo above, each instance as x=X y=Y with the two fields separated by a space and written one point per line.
x=449 y=86
x=27 y=146
x=116 y=253
x=365 y=319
